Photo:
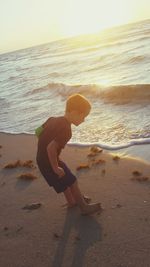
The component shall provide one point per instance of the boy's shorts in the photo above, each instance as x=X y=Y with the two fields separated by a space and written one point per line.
x=59 y=184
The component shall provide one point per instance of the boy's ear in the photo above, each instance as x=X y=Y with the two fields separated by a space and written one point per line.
x=73 y=112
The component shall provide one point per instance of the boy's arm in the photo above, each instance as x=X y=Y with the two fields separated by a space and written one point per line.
x=52 y=155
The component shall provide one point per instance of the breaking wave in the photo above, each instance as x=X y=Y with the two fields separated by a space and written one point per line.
x=119 y=94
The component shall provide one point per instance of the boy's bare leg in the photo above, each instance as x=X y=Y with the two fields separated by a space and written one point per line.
x=85 y=208
x=71 y=202
x=69 y=197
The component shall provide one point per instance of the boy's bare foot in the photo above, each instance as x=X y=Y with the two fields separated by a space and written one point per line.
x=72 y=205
x=91 y=208
x=87 y=199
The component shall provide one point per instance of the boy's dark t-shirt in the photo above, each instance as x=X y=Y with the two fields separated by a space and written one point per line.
x=55 y=128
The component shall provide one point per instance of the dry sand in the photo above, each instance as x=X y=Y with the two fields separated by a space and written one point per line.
x=48 y=234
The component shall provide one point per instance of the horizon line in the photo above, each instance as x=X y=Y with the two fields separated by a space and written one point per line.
x=73 y=36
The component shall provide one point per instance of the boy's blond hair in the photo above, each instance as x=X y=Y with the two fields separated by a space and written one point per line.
x=78 y=103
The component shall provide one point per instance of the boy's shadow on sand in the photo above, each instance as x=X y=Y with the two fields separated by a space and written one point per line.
x=88 y=232
x=22 y=184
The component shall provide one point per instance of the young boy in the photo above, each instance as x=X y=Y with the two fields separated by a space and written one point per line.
x=54 y=135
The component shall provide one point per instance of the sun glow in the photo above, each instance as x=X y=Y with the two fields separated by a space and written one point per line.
x=31 y=22
x=90 y=16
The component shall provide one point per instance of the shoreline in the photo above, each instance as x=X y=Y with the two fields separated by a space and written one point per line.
x=135 y=148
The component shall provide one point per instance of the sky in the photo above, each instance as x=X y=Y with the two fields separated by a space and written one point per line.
x=25 y=23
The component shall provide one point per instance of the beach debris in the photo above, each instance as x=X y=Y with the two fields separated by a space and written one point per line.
x=32 y=206
x=140 y=178
x=96 y=149
x=55 y=235
x=12 y=165
x=103 y=171
x=27 y=163
x=5 y=228
x=19 y=163
x=27 y=176
x=99 y=161
x=116 y=158
x=137 y=173
x=0 y=146
x=0 y=155
x=83 y=166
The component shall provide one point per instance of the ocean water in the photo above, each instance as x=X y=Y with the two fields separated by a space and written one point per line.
x=111 y=68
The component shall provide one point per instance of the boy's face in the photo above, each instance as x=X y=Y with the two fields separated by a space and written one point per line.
x=78 y=118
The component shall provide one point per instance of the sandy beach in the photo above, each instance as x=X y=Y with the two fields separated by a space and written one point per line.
x=36 y=228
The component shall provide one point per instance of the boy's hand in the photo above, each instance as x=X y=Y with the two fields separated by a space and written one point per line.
x=60 y=172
